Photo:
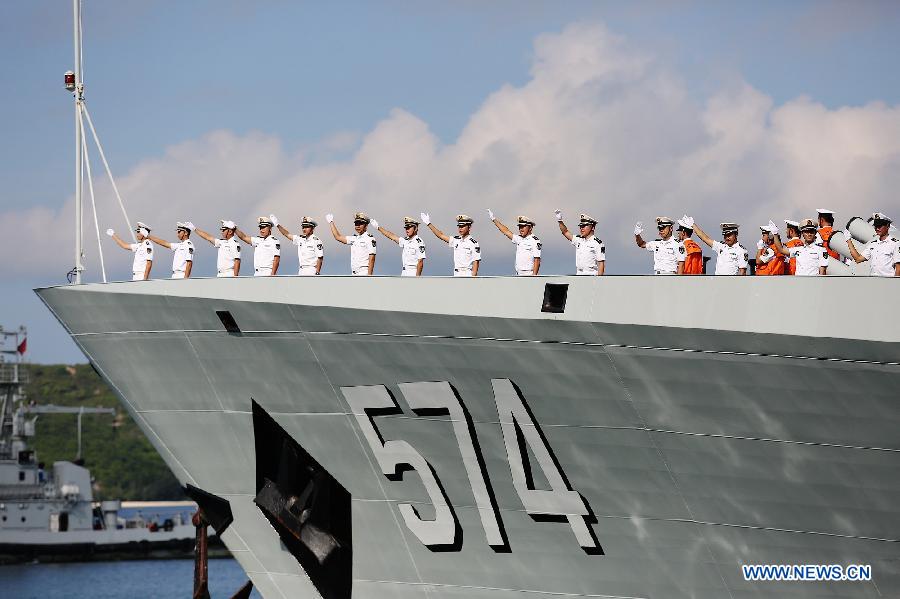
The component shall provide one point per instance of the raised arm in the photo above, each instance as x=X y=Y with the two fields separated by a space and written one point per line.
x=159 y=241
x=503 y=228
x=243 y=236
x=638 y=229
x=702 y=235
x=562 y=226
x=334 y=230
x=118 y=240
x=779 y=247
x=287 y=234
x=388 y=234
x=426 y=218
x=205 y=235
x=857 y=257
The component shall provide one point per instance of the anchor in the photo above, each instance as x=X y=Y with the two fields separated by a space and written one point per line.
x=216 y=512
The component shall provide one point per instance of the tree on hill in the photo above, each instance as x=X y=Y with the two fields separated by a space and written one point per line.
x=122 y=461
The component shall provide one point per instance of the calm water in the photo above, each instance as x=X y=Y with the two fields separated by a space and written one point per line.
x=106 y=580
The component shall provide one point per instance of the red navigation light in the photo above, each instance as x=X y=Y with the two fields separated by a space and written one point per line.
x=70 y=81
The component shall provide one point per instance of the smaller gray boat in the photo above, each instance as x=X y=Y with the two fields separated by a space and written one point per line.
x=51 y=515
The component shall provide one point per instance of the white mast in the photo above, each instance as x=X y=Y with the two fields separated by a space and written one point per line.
x=79 y=98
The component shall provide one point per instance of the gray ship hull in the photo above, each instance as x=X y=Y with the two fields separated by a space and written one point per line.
x=704 y=426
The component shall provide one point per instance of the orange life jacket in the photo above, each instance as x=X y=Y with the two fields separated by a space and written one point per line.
x=825 y=233
x=792 y=264
x=775 y=266
x=693 y=262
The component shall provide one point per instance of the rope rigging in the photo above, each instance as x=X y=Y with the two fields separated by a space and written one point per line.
x=75 y=83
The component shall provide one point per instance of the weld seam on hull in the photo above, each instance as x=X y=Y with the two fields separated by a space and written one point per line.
x=507 y=340
x=500 y=589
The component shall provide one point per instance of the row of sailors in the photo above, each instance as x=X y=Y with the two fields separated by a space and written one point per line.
x=805 y=252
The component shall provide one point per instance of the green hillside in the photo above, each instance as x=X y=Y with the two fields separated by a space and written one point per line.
x=122 y=461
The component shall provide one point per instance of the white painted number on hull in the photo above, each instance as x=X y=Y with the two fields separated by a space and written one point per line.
x=560 y=500
x=516 y=424
x=393 y=456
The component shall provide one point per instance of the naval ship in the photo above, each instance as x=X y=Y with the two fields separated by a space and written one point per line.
x=517 y=438
x=620 y=436
x=49 y=514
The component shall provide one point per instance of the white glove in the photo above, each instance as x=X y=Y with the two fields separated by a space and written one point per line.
x=110 y=232
x=190 y=225
x=426 y=218
x=274 y=219
x=490 y=214
x=760 y=245
x=374 y=223
x=847 y=236
x=329 y=218
x=638 y=228
x=558 y=215
x=689 y=220
x=773 y=228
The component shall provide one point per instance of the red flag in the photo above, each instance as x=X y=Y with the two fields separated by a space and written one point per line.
x=23 y=346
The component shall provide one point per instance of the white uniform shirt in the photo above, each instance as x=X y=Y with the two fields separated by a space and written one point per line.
x=667 y=253
x=809 y=259
x=229 y=251
x=465 y=252
x=527 y=249
x=882 y=256
x=729 y=258
x=588 y=252
x=309 y=250
x=266 y=248
x=183 y=253
x=361 y=247
x=143 y=251
x=412 y=250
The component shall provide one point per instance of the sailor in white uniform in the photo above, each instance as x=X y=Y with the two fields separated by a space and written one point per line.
x=310 y=250
x=731 y=257
x=228 y=260
x=412 y=248
x=183 y=250
x=363 y=247
x=142 y=250
x=811 y=258
x=590 y=253
x=668 y=252
x=466 y=251
x=266 y=248
x=883 y=252
x=528 y=246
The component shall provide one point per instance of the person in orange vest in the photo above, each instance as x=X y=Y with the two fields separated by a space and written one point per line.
x=693 y=261
x=768 y=260
x=792 y=232
x=826 y=228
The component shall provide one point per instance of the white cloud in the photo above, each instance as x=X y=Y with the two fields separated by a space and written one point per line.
x=600 y=127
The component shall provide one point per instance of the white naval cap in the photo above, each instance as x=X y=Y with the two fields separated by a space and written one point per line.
x=766 y=229
x=686 y=222
x=264 y=221
x=808 y=224
x=180 y=226
x=880 y=216
x=792 y=223
x=824 y=211
x=524 y=220
x=228 y=224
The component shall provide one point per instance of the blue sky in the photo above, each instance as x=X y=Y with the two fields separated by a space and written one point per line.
x=164 y=74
